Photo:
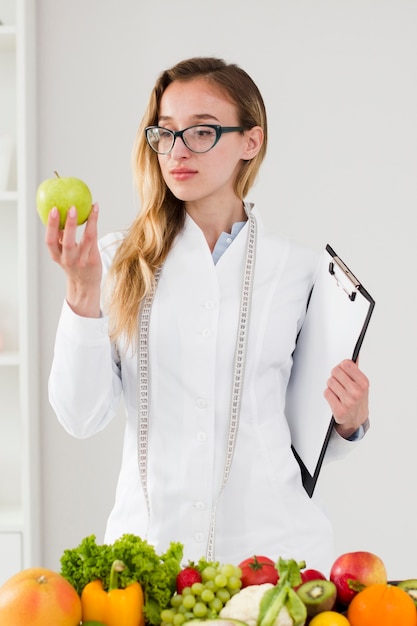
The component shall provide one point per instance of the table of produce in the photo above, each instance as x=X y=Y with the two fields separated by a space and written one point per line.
x=128 y=584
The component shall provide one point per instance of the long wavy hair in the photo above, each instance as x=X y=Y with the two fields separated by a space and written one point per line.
x=162 y=215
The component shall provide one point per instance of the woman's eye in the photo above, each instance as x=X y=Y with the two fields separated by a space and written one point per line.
x=204 y=132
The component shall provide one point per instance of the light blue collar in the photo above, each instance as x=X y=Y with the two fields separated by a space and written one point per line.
x=225 y=240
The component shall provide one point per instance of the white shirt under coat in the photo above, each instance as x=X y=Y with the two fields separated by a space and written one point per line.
x=264 y=508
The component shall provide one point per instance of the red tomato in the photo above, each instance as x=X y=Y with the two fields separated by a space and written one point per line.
x=258 y=570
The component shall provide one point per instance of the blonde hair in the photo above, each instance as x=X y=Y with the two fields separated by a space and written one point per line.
x=162 y=215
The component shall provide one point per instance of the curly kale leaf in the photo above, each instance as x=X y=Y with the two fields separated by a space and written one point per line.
x=86 y=563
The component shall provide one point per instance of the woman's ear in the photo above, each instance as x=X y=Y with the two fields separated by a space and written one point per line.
x=254 y=139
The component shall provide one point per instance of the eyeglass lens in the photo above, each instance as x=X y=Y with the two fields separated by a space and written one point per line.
x=196 y=138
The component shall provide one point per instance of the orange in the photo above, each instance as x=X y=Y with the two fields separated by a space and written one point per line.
x=329 y=618
x=384 y=605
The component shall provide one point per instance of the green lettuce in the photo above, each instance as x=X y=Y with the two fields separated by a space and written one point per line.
x=156 y=573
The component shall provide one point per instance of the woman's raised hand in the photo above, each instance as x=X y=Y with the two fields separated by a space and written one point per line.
x=80 y=261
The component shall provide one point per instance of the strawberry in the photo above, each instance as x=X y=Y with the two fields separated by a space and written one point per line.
x=186 y=577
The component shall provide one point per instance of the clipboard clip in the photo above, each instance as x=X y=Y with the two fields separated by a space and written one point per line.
x=341 y=272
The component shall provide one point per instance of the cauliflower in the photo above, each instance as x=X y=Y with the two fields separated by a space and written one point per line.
x=245 y=605
x=284 y=618
x=267 y=604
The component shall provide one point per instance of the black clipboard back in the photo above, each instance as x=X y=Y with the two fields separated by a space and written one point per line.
x=338 y=314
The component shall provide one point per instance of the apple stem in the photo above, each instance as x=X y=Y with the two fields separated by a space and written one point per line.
x=56 y=174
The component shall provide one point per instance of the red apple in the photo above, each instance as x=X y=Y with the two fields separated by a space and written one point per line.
x=311 y=574
x=360 y=567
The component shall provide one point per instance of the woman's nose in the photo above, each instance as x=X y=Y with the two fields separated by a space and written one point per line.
x=179 y=149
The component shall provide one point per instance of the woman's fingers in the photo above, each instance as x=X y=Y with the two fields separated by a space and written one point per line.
x=53 y=235
x=79 y=259
x=88 y=244
x=347 y=393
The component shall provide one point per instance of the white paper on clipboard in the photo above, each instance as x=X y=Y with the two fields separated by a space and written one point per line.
x=337 y=317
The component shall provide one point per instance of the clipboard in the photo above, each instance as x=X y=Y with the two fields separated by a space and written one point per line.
x=338 y=313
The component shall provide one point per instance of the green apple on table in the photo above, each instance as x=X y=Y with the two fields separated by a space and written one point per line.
x=63 y=193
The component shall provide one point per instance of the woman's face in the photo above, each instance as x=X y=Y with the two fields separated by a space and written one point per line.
x=192 y=177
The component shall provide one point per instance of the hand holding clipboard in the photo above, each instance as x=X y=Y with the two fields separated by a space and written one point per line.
x=338 y=314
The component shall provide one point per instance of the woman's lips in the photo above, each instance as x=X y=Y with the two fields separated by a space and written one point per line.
x=182 y=173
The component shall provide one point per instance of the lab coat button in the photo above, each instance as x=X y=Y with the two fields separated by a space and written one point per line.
x=201 y=436
x=201 y=403
x=209 y=304
x=206 y=332
x=200 y=506
x=199 y=537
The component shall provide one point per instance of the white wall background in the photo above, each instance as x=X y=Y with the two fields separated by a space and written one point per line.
x=339 y=82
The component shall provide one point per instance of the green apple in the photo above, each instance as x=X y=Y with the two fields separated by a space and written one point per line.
x=63 y=193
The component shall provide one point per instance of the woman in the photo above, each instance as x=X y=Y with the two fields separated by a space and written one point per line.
x=207 y=454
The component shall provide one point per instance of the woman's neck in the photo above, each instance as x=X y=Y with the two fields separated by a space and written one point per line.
x=213 y=221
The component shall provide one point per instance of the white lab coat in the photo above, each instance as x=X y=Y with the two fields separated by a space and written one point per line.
x=263 y=508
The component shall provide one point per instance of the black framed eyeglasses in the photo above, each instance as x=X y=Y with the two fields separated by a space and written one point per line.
x=200 y=138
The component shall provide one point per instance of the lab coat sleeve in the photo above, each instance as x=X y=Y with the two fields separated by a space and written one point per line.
x=339 y=447
x=85 y=381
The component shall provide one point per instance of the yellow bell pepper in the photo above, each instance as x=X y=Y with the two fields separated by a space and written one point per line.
x=115 y=607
